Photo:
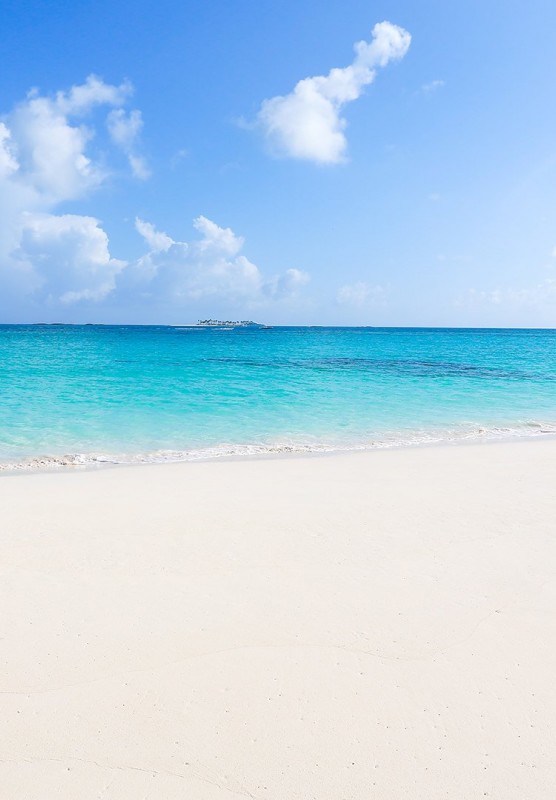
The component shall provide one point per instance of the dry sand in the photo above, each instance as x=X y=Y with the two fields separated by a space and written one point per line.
x=379 y=625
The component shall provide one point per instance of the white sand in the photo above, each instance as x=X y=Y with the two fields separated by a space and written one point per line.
x=380 y=625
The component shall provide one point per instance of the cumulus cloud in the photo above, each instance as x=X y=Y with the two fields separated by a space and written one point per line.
x=361 y=294
x=51 y=153
x=307 y=123
x=180 y=271
x=51 y=262
x=216 y=239
x=158 y=241
x=50 y=147
x=211 y=266
x=68 y=257
x=44 y=143
x=64 y=260
x=286 y=285
x=8 y=161
x=46 y=160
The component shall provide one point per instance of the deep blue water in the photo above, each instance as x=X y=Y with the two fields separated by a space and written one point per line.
x=153 y=393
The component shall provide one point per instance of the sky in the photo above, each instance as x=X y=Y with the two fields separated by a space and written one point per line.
x=347 y=163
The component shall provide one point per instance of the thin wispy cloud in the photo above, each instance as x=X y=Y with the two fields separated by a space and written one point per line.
x=432 y=86
x=125 y=129
x=526 y=296
x=308 y=122
x=180 y=155
x=361 y=294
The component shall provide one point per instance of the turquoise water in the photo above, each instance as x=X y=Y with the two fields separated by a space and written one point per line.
x=79 y=394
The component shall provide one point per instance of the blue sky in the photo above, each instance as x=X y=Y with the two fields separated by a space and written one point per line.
x=413 y=185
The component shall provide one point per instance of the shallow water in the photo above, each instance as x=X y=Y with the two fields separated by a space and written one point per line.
x=80 y=394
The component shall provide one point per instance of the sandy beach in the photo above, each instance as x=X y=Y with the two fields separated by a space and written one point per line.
x=373 y=625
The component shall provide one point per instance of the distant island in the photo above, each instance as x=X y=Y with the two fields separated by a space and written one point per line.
x=218 y=323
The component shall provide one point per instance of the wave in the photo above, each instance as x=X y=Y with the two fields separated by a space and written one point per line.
x=387 y=440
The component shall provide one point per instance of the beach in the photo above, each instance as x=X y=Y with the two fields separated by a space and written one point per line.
x=343 y=627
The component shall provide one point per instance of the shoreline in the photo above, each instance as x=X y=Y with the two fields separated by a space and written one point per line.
x=370 y=625
x=92 y=461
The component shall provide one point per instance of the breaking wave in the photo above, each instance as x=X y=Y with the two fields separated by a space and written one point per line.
x=460 y=434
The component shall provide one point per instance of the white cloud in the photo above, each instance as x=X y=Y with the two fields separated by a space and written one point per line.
x=80 y=99
x=8 y=161
x=46 y=160
x=51 y=153
x=61 y=260
x=212 y=266
x=44 y=149
x=307 y=123
x=139 y=167
x=158 y=242
x=216 y=239
x=68 y=257
x=286 y=285
x=51 y=148
x=64 y=260
x=361 y=294
x=124 y=129
x=51 y=261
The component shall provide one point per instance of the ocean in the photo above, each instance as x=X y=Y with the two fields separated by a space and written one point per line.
x=130 y=394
